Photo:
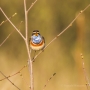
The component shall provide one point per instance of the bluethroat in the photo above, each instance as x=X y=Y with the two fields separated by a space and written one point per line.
x=37 y=42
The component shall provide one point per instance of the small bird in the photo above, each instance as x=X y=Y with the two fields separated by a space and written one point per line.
x=37 y=42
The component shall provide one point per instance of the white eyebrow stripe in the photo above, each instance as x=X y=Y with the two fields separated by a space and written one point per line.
x=35 y=32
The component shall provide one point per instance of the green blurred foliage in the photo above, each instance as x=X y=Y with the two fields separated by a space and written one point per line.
x=50 y=17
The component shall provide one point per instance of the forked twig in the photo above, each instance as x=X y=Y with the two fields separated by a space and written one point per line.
x=49 y=80
x=85 y=74
x=62 y=31
x=10 y=81
x=14 y=73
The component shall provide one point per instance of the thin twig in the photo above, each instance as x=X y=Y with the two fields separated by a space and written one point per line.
x=24 y=80
x=14 y=73
x=20 y=25
x=12 y=24
x=6 y=39
x=31 y=6
x=8 y=36
x=10 y=81
x=62 y=31
x=85 y=74
x=49 y=80
x=27 y=46
x=9 y=18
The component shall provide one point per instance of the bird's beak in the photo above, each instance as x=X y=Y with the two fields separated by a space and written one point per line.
x=36 y=34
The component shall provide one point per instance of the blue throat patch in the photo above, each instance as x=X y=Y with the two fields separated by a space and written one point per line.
x=36 y=39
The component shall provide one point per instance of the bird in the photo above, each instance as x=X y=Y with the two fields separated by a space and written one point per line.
x=37 y=41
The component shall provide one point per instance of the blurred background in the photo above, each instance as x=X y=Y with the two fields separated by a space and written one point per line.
x=62 y=56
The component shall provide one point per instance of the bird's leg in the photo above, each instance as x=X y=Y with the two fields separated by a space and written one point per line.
x=34 y=55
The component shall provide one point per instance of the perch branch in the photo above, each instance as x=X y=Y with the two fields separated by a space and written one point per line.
x=62 y=31
x=28 y=51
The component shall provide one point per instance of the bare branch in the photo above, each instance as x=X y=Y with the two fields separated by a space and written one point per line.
x=27 y=46
x=8 y=36
x=49 y=80
x=12 y=24
x=85 y=74
x=62 y=31
x=9 y=18
x=10 y=81
x=26 y=29
x=14 y=73
x=31 y=5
